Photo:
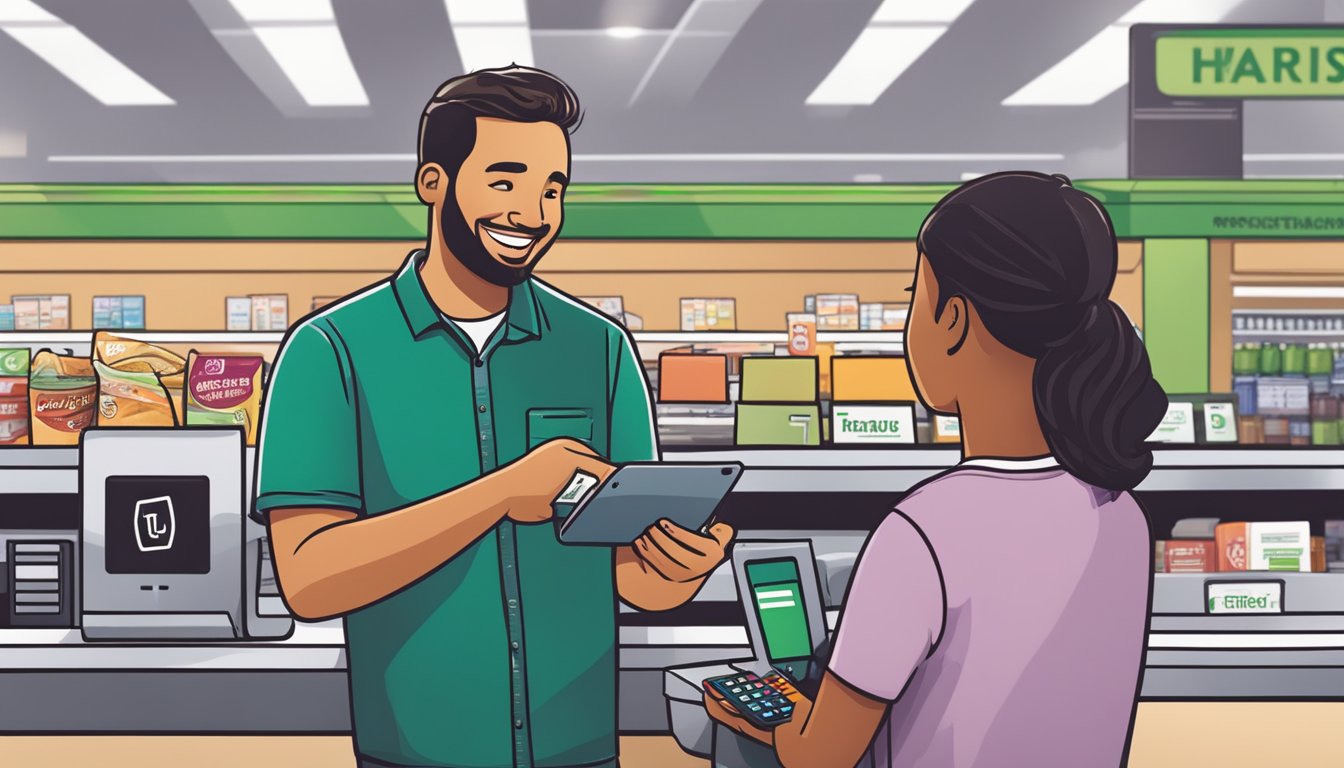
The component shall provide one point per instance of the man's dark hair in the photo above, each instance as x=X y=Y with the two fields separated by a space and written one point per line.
x=522 y=94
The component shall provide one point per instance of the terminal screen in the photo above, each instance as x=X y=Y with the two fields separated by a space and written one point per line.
x=777 y=597
x=157 y=525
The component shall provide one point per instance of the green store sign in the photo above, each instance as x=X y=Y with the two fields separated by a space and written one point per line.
x=1252 y=63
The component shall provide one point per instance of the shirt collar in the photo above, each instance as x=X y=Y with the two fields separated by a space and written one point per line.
x=421 y=314
x=1014 y=465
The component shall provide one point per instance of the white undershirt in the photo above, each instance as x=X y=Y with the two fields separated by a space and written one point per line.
x=479 y=331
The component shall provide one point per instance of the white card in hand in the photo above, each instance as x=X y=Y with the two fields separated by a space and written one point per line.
x=578 y=488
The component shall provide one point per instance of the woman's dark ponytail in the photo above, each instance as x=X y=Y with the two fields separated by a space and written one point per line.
x=1037 y=260
x=1097 y=401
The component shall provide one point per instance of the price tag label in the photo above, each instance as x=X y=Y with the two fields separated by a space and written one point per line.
x=1220 y=425
x=1230 y=597
x=1178 y=426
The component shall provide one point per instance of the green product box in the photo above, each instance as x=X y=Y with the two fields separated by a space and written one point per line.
x=778 y=424
x=779 y=380
x=13 y=362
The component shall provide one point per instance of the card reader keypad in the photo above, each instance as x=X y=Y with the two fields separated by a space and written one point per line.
x=764 y=701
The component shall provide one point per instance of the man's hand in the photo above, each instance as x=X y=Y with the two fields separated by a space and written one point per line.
x=534 y=481
x=681 y=555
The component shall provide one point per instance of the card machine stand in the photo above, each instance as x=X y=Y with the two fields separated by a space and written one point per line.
x=692 y=727
x=165 y=554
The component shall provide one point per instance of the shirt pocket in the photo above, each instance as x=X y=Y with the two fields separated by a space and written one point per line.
x=550 y=423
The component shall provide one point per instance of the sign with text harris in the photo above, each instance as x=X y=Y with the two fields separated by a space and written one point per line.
x=1252 y=63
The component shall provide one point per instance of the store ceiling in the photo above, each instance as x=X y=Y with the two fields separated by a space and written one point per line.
x=680 y=90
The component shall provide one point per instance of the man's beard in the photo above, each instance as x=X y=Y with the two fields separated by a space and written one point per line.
x=465 y=243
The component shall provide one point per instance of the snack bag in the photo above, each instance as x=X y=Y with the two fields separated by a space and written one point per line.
x=127 y=399
x=133 y=356
x=224 y=390
x=14 y=396
x=62 y=392
x=136 y=382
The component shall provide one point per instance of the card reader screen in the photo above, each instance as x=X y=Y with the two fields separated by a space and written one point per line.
x=157 y=525
x=777 y=598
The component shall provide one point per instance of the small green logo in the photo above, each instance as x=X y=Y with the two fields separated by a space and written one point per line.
x=1218 y=421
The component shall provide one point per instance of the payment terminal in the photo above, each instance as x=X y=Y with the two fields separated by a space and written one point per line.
x=780 y=591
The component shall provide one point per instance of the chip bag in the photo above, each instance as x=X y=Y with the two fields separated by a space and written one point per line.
x=62 y=392
x=224 y=389
x=136 y=382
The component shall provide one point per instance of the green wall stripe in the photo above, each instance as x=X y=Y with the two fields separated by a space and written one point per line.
x=1140 y=209
x=1176 y=312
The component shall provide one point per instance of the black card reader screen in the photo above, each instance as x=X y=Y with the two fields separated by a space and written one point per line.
x=157 y=525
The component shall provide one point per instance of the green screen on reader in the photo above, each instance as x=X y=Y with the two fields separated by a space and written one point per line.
x=777 y=598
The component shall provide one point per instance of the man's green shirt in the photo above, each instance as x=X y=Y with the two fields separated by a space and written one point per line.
x=506 y=654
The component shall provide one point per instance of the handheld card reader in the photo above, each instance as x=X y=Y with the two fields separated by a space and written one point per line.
x=786 y=623
x=636 y=496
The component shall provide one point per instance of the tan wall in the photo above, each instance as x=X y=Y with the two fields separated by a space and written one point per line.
x=186 y=283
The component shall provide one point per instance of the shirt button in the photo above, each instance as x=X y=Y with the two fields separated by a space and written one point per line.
x=518 y=724
x=479 y=363
x=513 y=603
x=481 y=409
x=514 y=645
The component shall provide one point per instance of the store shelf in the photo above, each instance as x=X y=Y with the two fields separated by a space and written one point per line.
x=1289 y=335
x=675 y=337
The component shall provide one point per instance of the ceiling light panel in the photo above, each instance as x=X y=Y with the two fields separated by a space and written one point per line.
x=315 y=60
x=920 y=11
x=77 y=57
x=491 y=33
x=302 y=38
x=254 y=11
x=878 y=56
x=897 y=35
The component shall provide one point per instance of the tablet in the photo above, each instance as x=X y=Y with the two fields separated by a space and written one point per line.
x=636 y=496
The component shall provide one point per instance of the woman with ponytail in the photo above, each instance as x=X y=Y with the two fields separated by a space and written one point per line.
x=998 y=616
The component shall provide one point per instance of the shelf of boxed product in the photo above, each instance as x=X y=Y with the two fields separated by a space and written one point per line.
x=25 y=338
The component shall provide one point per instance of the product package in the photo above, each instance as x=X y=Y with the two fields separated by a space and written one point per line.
x=238 y=313
x=946 y=429
x=1276 y=546
x=270 y=312
x=1318 y=564
x=611 y=306
x=139 y=384
x=6 y=317
x=224 y=390
x=1280 y=547
x=118 y=312
x=1189 y=556
x=1159 y=556
x=42 y=313
x=13 y=396
x=1334 y=545
x=1233 y=548
x=837 y=312
x=802 y=333
x=62 y=392
x=708 y=314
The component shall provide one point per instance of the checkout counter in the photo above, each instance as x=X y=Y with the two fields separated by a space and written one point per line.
x=165 y=675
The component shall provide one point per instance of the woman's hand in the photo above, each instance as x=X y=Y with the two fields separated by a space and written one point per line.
x=720 y=710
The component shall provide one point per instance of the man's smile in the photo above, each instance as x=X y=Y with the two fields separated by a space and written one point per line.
x=516 y=245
